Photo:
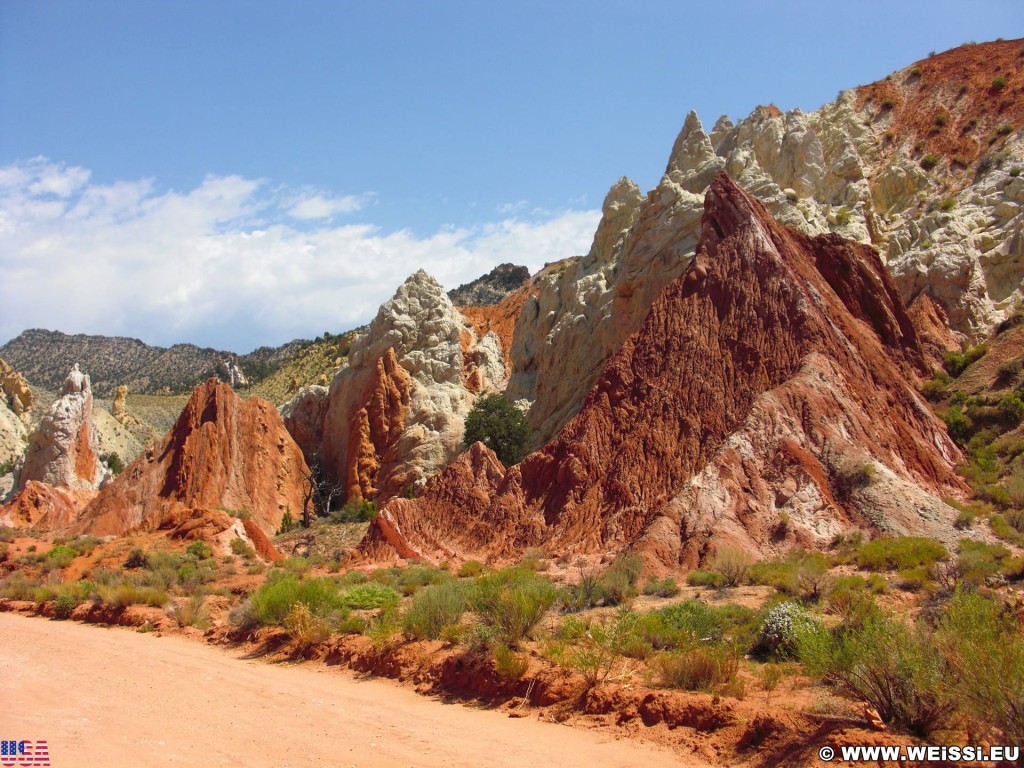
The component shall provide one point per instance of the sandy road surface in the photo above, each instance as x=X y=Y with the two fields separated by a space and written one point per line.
x=112 y=697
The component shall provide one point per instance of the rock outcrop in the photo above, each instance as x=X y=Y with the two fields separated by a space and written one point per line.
x=765 y=380
x=63 y=450
x=14 y=390
x=491 y=288
x=395 y=414
x=230 y=373
x=304 y=419
x=222 y=453
x=861 y=166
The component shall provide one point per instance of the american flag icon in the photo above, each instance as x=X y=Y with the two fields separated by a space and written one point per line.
x=23 y=753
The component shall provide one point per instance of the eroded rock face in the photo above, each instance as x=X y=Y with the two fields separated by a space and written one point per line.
x=763 y=380
x=222 y=453
x=229 y=372
x=63 y=450
x=852 y=167
x=395 y=414
x=304 y=419
x=14 y=390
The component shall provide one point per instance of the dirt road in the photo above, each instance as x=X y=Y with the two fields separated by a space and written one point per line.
x=106 y=698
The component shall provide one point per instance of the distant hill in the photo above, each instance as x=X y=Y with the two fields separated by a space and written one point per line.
x=44 y=358
x=491 y=288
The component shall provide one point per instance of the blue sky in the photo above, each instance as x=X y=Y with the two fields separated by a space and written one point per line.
x=235 y=174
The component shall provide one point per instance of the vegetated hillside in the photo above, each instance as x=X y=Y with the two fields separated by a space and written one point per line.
x=44 y=358
x=768 y=399
x=491 y=288
x=313 y=362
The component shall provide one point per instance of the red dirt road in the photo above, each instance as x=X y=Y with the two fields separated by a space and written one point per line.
x=106 y=698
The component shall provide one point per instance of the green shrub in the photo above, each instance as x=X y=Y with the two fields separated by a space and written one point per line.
x=415 y=577
x=733 y=565
x=512 y=602
x=984 y=645
x=113 y=462
x=508 y=664
x=893 y=554
x=305 y=627
x=801 y=573
x=1004 y=130
x=60 y=557
x=471 y=569
x=888 y=103
x=619 y=583
x=192 y=612
x=898 y=670
x=700 y=578
x=1014 y=172
x=240 y=547
x=361 y=511
x=667 y=587
x=782 y=630
x=433 y=609
x=64 y=605
x=1011 y=409
x=702 y=668
x=499 y=425
x=998 y=83
x=928 y=162
x=1002 y=529
x=275 y=599
x=198 y=550
x=956 y=362
x=946 y=204
x=370 y=595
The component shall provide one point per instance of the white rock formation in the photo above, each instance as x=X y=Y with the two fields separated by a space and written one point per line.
x=229 y=371
x=445 y=368
x=63 y=450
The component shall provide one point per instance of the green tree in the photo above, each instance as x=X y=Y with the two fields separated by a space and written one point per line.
x=499 y=425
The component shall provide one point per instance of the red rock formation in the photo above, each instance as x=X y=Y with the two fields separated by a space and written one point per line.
x=933 y=330
x=793 y=356
x=44 y=507
x=500 y=318
x=221 y=453
x=375 y=428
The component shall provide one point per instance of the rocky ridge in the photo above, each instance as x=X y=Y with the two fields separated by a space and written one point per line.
x=745 y=409
x=854 y=167
x=491 y=288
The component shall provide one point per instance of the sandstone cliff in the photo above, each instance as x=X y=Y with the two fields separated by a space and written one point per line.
x=763 y=381
x=920 y=164
x=222 y=453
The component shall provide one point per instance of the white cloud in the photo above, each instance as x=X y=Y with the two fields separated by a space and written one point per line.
x=222 y=264
x=319 y=207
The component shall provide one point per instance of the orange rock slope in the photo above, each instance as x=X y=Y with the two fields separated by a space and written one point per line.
x=222 y=453
x=764 y=380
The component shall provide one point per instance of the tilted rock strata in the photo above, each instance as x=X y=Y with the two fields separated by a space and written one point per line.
x=395 y=414
x=853 y=167
x=63 y=449
x=222 y=453
x=761 y=381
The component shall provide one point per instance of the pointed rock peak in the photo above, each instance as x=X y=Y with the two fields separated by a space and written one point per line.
x=727 y=207
x=76 y=381
x=622 y=194
x=421 y=284
x=692 y=146
x=722 y=124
